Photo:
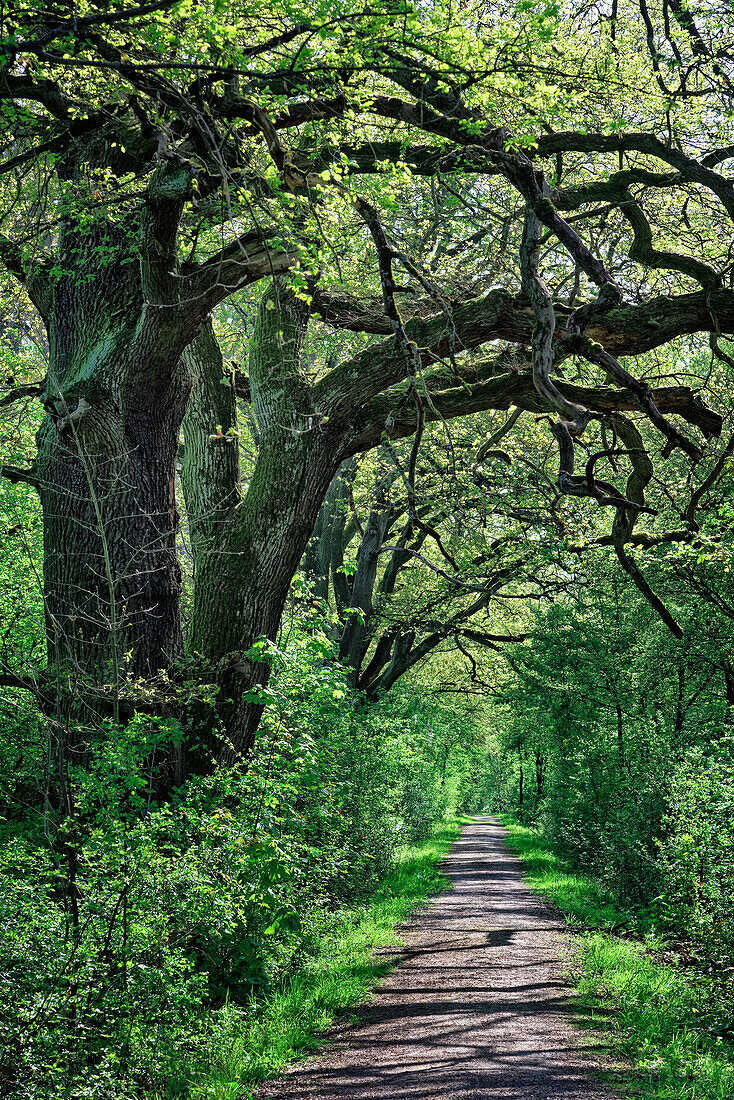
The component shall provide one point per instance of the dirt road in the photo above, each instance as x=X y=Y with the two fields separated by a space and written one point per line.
x=476 y=1009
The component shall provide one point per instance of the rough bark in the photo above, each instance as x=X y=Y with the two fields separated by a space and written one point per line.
x=355 y=639
x=242 y=582
x=324 y=557
x=120 y=312
x=210 y=474
x=106 y=465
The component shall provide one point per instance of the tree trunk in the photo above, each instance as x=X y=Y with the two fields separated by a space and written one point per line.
x=324 y=556
x=242 y=584
x=106 y=465
x=522 y=785
x=540 y=765
x=621 y=757
x=355 y=638
x=244 y=575
x=210 y=470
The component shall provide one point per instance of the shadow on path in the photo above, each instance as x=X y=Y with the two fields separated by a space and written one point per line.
x=477 y=1008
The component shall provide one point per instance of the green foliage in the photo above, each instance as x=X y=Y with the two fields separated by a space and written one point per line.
x=144 y=924
x=670 y=1023
x=582 y=899
x=336 y=965
x=696 y=855
x=635 y=734
x=139 y=938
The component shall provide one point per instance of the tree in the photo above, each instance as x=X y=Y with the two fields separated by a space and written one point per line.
x=174 y=176
x=450 y=572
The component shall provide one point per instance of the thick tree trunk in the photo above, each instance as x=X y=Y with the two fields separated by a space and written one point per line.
x=210 y=471
x=111 y=577
x=245 y=565
x=106 y=465
x=324 y=556
x=242 y=583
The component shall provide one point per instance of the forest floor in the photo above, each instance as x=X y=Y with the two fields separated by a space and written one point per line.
x=477 y=1008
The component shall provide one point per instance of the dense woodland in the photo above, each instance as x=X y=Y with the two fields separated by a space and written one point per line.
x=366 y=449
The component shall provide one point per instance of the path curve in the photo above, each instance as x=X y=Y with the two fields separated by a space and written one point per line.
x=477 y=1008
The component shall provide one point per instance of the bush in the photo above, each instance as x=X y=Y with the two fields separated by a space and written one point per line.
x=129 y=929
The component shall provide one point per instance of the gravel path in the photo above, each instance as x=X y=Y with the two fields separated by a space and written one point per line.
x=477 y=1008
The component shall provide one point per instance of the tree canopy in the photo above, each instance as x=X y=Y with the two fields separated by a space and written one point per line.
x=529 y=203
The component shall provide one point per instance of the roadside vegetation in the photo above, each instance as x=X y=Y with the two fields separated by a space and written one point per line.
x=209 y=939
x=667 y=1019
x=338 y=966
x=618 y=759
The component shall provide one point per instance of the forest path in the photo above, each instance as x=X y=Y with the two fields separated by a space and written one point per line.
x=477 y=1008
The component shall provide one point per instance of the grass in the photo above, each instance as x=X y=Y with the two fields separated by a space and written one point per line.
x=658 y=1017
x=337 y=974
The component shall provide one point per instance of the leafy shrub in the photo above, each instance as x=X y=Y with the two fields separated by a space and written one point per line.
x=130 y=928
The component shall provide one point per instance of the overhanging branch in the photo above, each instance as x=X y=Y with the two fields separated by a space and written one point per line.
x=516 y=389
x=625 y=330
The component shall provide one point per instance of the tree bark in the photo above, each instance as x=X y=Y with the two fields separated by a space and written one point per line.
x=324 y=557
x=106 y=465
x=243 y=579
x=210 y=469
x=355 y=638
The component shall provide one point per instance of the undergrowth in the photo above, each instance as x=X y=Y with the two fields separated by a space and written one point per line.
x=670 y=1023
x=337 y=968
x=224 y=924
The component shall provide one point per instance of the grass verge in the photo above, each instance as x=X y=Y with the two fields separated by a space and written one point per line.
x=336 y=975
x=658 y=1017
